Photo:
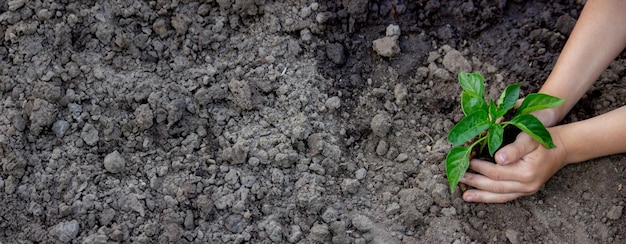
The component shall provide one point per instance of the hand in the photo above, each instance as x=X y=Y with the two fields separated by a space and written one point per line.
x=521 y=169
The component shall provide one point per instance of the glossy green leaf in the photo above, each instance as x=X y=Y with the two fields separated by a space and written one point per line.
x=499 y=113
x=469 y=127
x=457 y=163
x=493 y=111
x=472 y=102
x=472 y=82
x=509 y=97
x=538 y=101
x=495 y=137
x=533 y=127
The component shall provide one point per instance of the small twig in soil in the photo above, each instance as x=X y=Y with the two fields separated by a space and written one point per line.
x=429 y=137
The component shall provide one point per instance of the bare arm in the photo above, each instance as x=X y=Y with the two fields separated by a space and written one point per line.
x=598 y=37
x=524 y=165
x=596 y=137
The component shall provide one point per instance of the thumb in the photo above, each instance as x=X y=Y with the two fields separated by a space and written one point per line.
x=513 y=152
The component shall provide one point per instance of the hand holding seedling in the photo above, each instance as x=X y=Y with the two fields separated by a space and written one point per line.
x=524 y=166
x=483 y=125
x=506 y=180
x=528 y=165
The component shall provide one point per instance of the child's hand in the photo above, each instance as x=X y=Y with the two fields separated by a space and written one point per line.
x=521 y=169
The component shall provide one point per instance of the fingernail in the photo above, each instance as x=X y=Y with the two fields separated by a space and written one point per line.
x=502 y=158
x=469 y=198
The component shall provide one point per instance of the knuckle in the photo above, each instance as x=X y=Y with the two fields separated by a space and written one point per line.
x=496 y=175
x=527 y=176
x=532 y=188
x=498 y=188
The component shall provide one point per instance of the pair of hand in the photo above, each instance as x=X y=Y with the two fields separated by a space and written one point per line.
x=521 y=167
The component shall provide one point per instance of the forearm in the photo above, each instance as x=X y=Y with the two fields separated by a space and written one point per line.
x=596 y=137
x=598 y=37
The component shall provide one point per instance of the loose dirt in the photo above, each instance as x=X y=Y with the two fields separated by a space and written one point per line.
x=253 y=121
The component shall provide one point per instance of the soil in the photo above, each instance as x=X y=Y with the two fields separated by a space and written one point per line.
x=253 y=121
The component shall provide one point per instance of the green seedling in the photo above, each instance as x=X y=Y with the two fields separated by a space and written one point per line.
x=483 y=124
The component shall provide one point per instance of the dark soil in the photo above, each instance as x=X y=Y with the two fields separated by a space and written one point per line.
x=252 y=121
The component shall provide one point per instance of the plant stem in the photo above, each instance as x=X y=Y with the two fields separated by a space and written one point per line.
x=504 y=124
x=481 y=139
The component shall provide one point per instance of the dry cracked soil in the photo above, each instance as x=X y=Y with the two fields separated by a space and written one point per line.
x=259 y=121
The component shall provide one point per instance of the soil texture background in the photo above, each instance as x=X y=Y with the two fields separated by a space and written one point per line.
x=258 y=121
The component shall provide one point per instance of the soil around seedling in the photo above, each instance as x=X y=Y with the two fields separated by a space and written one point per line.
x=277 y=122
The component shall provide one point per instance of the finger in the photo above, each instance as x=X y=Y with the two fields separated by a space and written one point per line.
x=496 y=172
x=486 y=184
x=523 y=144
x=492 y=171
x=489 y=197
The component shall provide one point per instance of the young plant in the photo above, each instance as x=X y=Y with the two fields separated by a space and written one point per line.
x=483 y=124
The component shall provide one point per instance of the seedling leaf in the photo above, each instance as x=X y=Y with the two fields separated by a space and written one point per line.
x=538 y=101
x=457 y=162
x=494 y=141
x=472 y=82
x=533 y=127
x=494 y=113
x=482 y=126
x=508 y=98
x=472 y=102
x=469 y=127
